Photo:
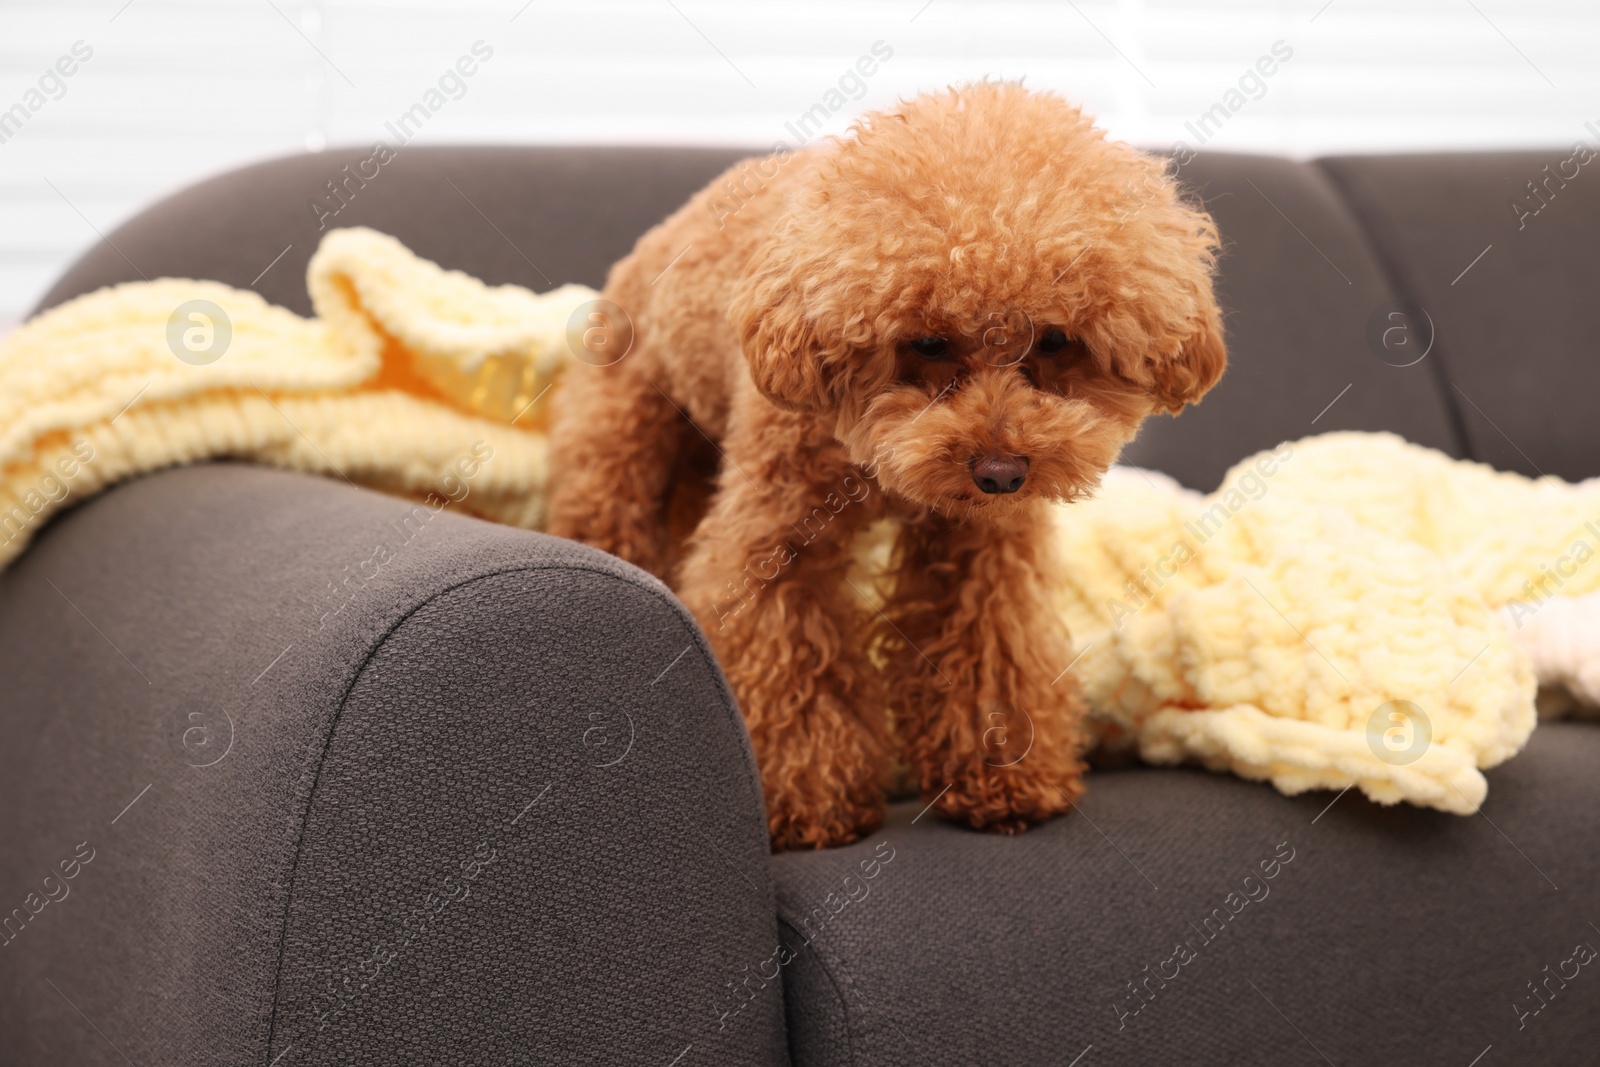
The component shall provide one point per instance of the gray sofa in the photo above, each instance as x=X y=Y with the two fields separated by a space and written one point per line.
x=501 y=809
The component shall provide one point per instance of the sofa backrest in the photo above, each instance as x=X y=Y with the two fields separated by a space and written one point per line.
x=1336 y=275
x=1503 y=251
x=1298 y=283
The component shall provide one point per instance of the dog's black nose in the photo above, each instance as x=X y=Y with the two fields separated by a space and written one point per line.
x=1000 y=474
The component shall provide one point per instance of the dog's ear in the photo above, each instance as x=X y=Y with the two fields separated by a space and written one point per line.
x=1186 y=377
x=790 y=362
x=1186 y=296
x=785 y=357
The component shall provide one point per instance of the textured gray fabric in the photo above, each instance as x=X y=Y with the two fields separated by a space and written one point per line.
x=535 y=217
x=1391 y=935
x=1299 y=284
x=473 y=671
x=1516 y=329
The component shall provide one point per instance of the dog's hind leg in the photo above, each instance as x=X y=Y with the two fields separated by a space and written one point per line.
x=766 y=576
x=976 y=671
x=614 y=445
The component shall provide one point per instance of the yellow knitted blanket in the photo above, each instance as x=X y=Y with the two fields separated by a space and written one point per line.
x=1348 y=610
x=405 y=368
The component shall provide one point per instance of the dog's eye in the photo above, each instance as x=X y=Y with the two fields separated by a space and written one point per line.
x=930 y=347
x=1053 y=341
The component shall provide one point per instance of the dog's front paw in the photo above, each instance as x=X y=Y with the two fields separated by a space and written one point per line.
x=1009 y=798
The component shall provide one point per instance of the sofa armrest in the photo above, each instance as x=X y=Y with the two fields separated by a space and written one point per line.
x=341 y=778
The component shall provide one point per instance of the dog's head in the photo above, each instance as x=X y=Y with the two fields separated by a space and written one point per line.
x=987 y=296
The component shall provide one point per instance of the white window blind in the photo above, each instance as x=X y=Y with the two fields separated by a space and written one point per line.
x=178 y=89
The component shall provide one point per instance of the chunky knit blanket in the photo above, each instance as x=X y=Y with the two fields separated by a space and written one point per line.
x=403 y=370
x=1348 y=610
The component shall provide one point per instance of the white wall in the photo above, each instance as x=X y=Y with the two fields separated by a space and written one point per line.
x=177 y=89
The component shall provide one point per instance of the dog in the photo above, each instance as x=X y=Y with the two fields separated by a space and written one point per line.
x=953 y=317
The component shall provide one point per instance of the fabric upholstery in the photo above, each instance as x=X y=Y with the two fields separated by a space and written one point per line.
x=388 y=722
x=536 y=217
x=1298 y=283
x=1516 y=333
x=1391 y=935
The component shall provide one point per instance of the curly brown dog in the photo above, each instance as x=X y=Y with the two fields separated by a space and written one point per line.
x=954 y=318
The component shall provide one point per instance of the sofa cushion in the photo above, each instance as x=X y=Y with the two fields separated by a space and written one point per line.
x=530 y=216
x=1350 y=932
x=1502 y=251
x=1299 y=283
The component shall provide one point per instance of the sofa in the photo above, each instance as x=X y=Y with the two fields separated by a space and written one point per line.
x=502 y=809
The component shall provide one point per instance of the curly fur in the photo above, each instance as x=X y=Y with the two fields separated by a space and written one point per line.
x=987 y=216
